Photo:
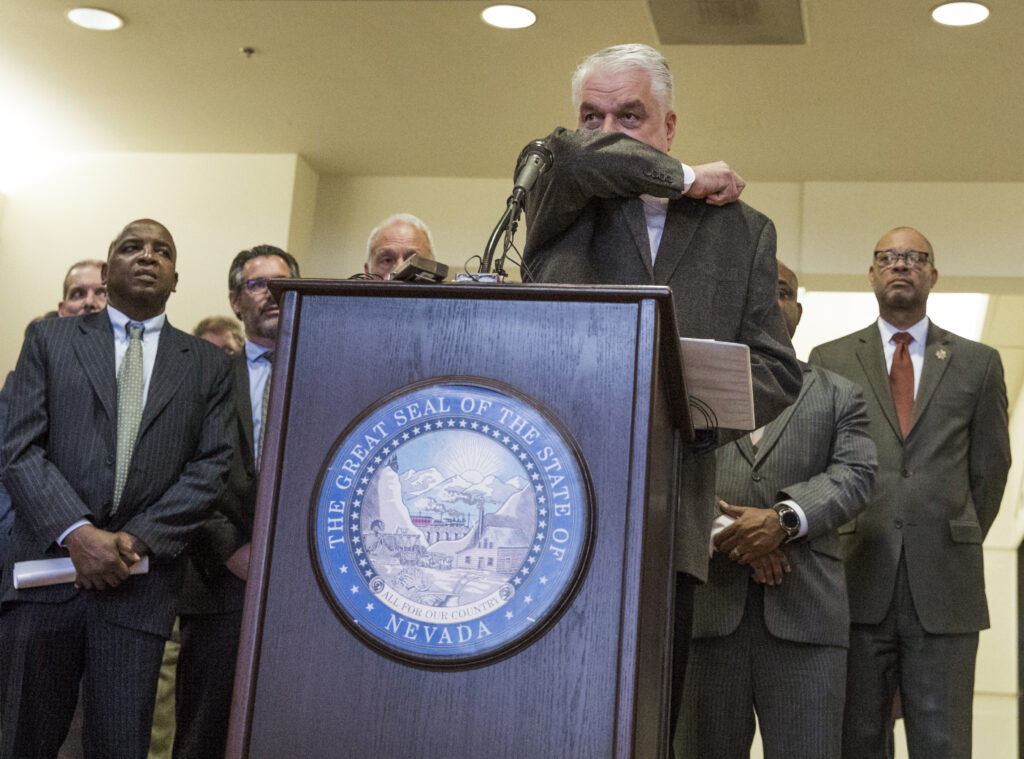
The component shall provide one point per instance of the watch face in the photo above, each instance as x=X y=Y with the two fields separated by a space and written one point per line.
x=789 y=519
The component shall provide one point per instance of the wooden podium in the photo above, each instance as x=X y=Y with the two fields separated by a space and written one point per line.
x=604 y=362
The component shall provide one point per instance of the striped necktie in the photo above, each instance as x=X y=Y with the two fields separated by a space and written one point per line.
x=130 y=386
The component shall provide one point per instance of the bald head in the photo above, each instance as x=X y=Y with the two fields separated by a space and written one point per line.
x=902 y=286
x=791 y=309
x=140 y=271
x=909 y=235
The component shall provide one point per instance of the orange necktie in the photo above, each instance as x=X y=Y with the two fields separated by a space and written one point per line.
x=901 y=380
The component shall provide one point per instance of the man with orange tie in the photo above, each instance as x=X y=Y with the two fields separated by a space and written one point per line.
x=937 y=408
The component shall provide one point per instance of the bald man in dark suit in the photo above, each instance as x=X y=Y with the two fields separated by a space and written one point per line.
x=914 y=565
x=106 y=495
x=771 y=626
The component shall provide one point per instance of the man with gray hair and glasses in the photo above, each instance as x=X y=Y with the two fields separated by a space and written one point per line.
x=914 y=568
x=616 y=208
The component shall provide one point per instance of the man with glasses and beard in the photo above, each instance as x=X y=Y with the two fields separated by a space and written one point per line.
x=211 y=604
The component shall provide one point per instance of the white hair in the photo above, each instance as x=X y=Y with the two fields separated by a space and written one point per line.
x=625 y=58
x=399 y=218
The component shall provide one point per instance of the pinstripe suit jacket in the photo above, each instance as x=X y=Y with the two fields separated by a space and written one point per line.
x=938 y=490
x=819 y=454
x=210 y=587
x=586 y=225
x=61 y=444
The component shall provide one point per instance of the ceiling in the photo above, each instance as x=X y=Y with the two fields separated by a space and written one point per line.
x=423 y=88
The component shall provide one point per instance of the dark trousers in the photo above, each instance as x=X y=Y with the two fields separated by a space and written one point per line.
x=682 y=628
x=48 y=651
x=935 y=675
x=796 y=689
x=206 y=677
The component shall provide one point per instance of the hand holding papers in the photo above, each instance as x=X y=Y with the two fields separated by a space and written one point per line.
x=35 y=574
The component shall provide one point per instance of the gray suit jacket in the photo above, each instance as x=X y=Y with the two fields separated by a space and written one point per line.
x=586 y=225
x=819 y=453
x=60 y=449
x=938 y=491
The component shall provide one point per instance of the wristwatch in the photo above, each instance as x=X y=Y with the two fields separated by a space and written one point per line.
x=789 y=520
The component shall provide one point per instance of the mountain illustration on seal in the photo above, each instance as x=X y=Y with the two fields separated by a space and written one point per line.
x=446 y=540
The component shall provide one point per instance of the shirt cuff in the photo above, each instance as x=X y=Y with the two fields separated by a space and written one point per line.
x=689 y=177
x=800 y=513
x=69 y=530
x=721 y=522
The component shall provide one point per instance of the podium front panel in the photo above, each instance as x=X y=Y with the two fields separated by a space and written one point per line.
x=315 y=689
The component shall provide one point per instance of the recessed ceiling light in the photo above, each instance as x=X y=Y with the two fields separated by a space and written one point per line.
x=509 y=16
x=960 y=14
x=95 y=19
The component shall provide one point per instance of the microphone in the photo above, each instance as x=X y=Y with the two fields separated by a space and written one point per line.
x=417 y=268
x=533 y=161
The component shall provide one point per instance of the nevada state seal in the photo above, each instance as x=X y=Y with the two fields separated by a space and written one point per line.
x=452 y=523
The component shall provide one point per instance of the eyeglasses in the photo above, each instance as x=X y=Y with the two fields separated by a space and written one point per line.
x=259 y=284
x=889 y=258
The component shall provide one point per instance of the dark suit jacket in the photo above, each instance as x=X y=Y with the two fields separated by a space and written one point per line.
x=586 y=226
x=819 y=453
x=6 y=513
x=61 y=444
x=938 y=491
x=210 y=587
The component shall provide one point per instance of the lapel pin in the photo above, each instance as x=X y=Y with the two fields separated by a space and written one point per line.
x=941 y=354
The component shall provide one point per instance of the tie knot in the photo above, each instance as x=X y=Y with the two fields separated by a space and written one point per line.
x=903 y=338
x=135 y=330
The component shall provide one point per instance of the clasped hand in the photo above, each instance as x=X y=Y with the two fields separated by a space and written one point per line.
x=753 y=539
x=102 y=558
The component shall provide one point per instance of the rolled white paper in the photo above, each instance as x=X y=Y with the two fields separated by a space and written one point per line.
x=36 y=574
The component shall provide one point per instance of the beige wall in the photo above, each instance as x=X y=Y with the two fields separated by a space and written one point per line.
x=460 y=213
x=214 y=205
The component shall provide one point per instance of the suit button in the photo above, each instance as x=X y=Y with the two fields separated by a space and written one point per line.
x=756 y=477
x=906 y=473
x=110 y=460
x=899 y=524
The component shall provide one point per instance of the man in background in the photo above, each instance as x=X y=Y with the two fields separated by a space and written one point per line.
x=914 y=559
x=771 y=626
x=222 y=331
x=84 y=289
x=83 y=293
x=211 y=603
x=392 y=241
x=116 y=447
